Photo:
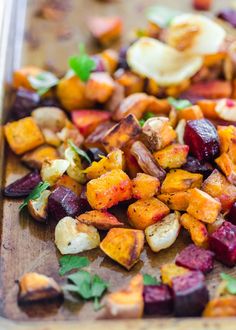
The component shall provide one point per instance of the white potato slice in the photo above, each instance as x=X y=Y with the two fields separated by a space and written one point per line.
x=52 y=170
x=158 y=61
x=72 y=237
x=195 y=34
x=226 y=109
x=163 y=234
x=180 y=129
x=75 y=169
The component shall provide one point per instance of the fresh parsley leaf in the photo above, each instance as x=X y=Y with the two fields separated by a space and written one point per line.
x=97 y=305
x=149 y=280
x=35 y=193
x=79 y=151
x=99 y=286
x=161 y=15
x=231 y=282
x=82 y=64
x=69 y=262
x=43 y=82
x=82 y=281
x=179 y=104
x=146 y=116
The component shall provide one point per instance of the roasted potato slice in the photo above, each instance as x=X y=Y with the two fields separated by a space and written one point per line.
x=102 y=220
x=38 y=207
x=52 y=170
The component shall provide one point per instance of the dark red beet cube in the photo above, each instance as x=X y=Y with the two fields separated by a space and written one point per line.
x=63 y=202
x=202 y=4
x=193 y=165
x=157 y=299
x=24 y=103
x=231 y=216
x=23 y=186
x=196 y=258
x=190 y=294
x=202 y=138
x=223 y=243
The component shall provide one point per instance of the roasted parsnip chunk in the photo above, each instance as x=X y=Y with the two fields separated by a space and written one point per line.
x=38 y=207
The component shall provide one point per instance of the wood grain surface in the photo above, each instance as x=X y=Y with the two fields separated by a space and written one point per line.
x=28 y=246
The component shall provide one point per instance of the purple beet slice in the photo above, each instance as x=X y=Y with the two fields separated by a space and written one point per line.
x=157 y=300
x=196 y=258
x=190 y=294
x=223 y=243
x=193 y=165
x=231 y=216
x=63 y=202
x=202 y=138
x=23 y=186
x=24 y=103
x=228 y=15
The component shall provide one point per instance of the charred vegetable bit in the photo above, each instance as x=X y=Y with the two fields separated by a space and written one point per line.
x=70 y=262
x=35 y=193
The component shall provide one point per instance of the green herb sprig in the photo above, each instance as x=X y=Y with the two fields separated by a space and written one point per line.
x=35 y=193
x=69 y=262
x=179 y=104
x=230 y=282
x=146 y=116
x=149 y=280
x=79 y=151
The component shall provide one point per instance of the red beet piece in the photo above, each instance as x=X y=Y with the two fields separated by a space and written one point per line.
x=25 y=101
x=63 y=202
x=223 y=243
x=193 y=165
x=196 y=258
x=202 y=138
x=23 y=186
x=190 y=294
x=202 y=4
x=157 y=299
x=228 y=15
x=231 y=216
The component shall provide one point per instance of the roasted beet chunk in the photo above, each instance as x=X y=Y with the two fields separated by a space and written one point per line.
x=231 y=216
x=196 y=258
x=202 y=138
x=189 y=293
x=63 y=202
x=223 y=243
x=228 y=15
x=23 y=186
x=157 y=299
x=193 y=165
x=25 y=101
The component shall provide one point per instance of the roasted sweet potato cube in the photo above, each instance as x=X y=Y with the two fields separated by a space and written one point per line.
x=145 y=186
x=215 y=89
x=132 y=82
x=173 y=156
x=114 y=160
x=176 y=201
x=94 y=140
x=227 y=136
x=227 y=167
x=102 y=220
x=20 y=76
x=71 y=94
x=35 y=158
x=66 y=181
x=196 y=229
x=221 y=307
x=87 y=120
x=99 y=87
x=23 y=135
x=108 y=190
x=202 y=206
x=105 y=29
x=126 y=303
x=34 y=287
x=169 y=271
x=146 y=212
x=180 y=180
x=110 y=59
x=191 y=113
x=208 y=108
x=122 y=133
x=123 y=245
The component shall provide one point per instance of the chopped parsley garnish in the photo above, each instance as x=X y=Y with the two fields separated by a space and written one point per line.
x=146 y=116
x=35 y=193
x=179 y=104
x=149 y=280
x=69 y=262
x=230 y=282
x=79 y=151
x=43 y=82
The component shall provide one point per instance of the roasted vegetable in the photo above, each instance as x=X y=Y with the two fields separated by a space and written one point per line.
x=177 y=201
x=227 y=136
x=215 y=89
x=145 y=212
x=35 y=158
x=164 y=233
x=24 y=103
x=231 y=216
x=75 y=168
x=193 y=165
x=108 y=190
x=132 y=82
x=94 y=140
x=202 y=206
x=95 y=154
x=202 y=4
x=221 y=307
x=208 y=108
x=180 y=180
x=145 y=186
x=128 y=302
x=131 y=165
x=66 y=181
x=34 y=287
x=99 y=87
x=21 y=77
x=122 y=133
x=72 y=237
x=227 y=167
x=51 y=118
x=52 y=170
x=110 y=59
x=87 y=120
x=196 y=258
x=170 y=271
x=123 y=245
x=173 y=156
x=190 y=113
x=23 y=135
x=102 y=220
x=157 y=300
x=23 y=186
x=38 y=207
x=116 y=98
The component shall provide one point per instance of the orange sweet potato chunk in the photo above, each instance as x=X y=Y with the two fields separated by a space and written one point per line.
x=180 y=180
x=202 y=206
x=35 y=158
x=191 y=113
x=102 y=220
x=123 y=245
x=208 y=108
x=99 y=87
x=196 y=229
x=146 y=212
x=132 y=83
x=108 y=190
x=20 y=76
x=173 y=156
x=23 y=135
x=176 y=201
x=94 y=140
x=227 y=135
x=66 y=181
x=221 y=307
x=169 y=271
x=145 y=186
x=227 y=167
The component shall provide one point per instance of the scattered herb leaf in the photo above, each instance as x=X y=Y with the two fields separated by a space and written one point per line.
x=82 y=281
x=149 y=280
x=231 y=282
x=35 y=193
x=82 y=64
x=146 y=116
x=161 y=15
x=97 y=305
x=179 y=104
x=43 y=82
x=69 y=262
x=79 y=151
